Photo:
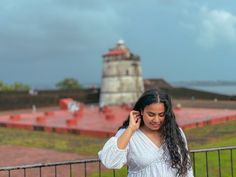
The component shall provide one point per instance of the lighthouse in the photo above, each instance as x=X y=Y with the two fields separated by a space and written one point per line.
x=122 y=81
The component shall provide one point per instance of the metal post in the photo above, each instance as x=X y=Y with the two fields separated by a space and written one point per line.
x=55 y=171
x=219 y=163
x=85 y=169
x=232 y=162
x=99 y=168
x=70 y=170
x=206 y=164
x=194 y=164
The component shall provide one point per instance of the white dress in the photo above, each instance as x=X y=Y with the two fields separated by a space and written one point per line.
x=142 y=156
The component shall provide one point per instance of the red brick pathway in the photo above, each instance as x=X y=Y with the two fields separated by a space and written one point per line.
x=13 y=156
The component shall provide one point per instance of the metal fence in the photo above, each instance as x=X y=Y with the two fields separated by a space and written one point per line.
x=213 y=162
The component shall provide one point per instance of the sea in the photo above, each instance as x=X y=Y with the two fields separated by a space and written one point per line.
x=222 y=89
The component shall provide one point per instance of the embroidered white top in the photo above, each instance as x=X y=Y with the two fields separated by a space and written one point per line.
x=142 y=156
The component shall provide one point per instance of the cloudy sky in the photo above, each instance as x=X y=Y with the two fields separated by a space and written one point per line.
x=42 y=42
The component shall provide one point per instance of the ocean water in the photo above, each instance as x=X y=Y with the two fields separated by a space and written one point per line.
x=227 y=90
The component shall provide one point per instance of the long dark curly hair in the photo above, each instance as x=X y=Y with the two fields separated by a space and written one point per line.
x=170 y=132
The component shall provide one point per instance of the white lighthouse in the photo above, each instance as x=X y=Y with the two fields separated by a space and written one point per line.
x=122 y=81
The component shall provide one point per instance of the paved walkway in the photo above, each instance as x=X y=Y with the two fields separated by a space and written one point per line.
x=14 y=155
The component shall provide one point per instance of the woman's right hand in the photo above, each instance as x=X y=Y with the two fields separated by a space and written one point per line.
x=134 y=120
x=134 y=123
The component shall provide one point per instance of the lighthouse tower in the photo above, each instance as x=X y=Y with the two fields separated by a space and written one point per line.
x=122 y=81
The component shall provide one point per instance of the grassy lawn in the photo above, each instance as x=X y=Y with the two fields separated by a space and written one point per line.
x=213 y=136
x=206 y=137
x=61 y=142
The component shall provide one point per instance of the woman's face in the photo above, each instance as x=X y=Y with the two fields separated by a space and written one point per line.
x=153 y=116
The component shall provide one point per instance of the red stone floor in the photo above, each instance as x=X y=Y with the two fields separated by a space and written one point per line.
x=90 y=121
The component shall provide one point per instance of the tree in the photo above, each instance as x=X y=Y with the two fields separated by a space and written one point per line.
x=68 y=83
x=17 y=86
x=2 y=84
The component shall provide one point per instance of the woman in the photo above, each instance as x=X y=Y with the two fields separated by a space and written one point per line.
x=149 y=141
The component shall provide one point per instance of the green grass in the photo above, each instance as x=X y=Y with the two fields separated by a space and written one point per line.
x=108 y=173
x=212 y=135
x=206 y=137
x=60 y=142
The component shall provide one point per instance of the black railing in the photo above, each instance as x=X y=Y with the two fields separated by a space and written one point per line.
x=213 y=162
